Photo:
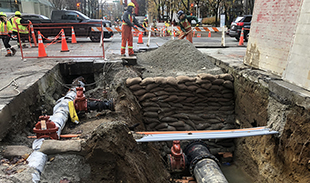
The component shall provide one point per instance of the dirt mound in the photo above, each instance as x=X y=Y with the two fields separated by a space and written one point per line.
x=176 y=57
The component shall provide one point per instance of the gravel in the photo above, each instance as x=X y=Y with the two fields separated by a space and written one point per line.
x=174 y=58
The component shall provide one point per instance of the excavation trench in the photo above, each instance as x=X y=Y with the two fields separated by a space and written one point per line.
x=105 y=150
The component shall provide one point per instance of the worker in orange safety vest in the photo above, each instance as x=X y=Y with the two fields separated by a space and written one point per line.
x=5 y=34
x=185 y=25
x=129 y=21
x=23 y=31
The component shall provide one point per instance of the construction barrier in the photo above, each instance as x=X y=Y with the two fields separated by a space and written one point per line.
x=174 y=28
x=52 y=41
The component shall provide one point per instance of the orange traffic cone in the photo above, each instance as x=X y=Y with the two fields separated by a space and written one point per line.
x=241 y=38
x=198 y=35
x=33 y=35
x=73 y=38
x=209 y=34
x=41 y=47
x=173 y=33
x=140 y=40
x=64 y=46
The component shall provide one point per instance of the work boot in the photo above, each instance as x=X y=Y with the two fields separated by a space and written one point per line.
x=132 y=55
x=123 y=55
x=13 y=51
x=8 y=53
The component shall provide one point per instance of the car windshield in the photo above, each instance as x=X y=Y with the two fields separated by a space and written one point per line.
x=238 y=19
x=82 y=15
x=44 y=17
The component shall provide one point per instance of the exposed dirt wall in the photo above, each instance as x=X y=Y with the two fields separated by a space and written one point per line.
x=283 y=158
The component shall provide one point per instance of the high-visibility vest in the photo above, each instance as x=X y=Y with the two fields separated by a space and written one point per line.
x=130 y=18
x=5 y=28
x=16 y=22
x=187 y=26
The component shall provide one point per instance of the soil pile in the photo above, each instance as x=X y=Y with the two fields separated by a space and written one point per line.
x=176 y=57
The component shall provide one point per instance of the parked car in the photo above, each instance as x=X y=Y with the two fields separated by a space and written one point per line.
x=238 y=24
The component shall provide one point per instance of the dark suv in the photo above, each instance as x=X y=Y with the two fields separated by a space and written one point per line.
x=236 y=26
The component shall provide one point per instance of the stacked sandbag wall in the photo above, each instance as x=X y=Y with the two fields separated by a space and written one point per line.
x=204 y=102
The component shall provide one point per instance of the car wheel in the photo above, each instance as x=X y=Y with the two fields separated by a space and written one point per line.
x=95 y=36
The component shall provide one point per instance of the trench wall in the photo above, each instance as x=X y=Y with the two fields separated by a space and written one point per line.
x=23 y=109
x=205 y=102
x=264 y=99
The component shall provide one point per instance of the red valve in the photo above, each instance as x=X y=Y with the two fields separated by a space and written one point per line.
x=80 y=102
x=176 y=158
x=46 y=128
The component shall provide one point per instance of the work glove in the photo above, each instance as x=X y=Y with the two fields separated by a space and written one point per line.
x=197 y=25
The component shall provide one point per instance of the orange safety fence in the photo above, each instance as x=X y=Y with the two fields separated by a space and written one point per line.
x=53 y=41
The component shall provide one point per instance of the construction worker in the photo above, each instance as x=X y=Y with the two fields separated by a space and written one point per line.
x=145 y=24
x=167 y=25
x=129 y=21
x=185 y=25
x=16 y=22
x=5 y=34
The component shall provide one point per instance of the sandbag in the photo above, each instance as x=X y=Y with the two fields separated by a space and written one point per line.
x=192 y=87
x=149 y=104
x=190 y=99
x=146 y=96
x=206 y=86
x=163 y=105
x=151 y=109
x=182 y=86
x=147 y=81
x=139 y=92
x=132 y=81
x=172 y=81
x=218 y=81
x=150 y=114
x=183 y=79
x=135 y=87
x=151 y=86
x=151 y=120
x=228 y=84
x=205 y=76
x=170 y=89
x=160 y=80
x=171 y=98
x=180 y=116
x=202 y=81
x=177 y=124
x=169 y=119
x=159 y=93
x=201 y=90
x=161 y=126
x=226 y=77
x=202 y=126
x=168 y=128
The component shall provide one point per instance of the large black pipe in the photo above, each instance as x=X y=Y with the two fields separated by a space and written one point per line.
x=100 y=105
x=203 y=165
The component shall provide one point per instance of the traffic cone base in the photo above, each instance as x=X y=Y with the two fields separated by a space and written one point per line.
x=64 y=46
x=198 y=35
x=140 y=40
x=41 y=48
x=209 y=34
